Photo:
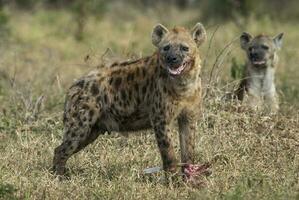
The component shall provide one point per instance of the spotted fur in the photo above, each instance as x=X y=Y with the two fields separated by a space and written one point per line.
x=138 y=95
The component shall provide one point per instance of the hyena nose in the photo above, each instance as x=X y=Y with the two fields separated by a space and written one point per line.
x=171 y=59
x=253 y=55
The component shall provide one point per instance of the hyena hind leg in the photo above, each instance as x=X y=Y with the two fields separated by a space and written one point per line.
x=77 y=136
x=71 y=145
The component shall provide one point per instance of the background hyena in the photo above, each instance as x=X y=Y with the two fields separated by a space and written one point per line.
x=257 y=87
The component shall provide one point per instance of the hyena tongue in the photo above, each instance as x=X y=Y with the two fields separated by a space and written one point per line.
x=176 y=71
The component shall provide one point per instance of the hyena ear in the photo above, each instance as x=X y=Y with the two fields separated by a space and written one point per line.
x=199 y=34
x=159 y=32
x=278 y=40
x=245 y=39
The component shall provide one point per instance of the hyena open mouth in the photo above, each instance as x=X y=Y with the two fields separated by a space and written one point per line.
x=177 y=70
x=258 y=62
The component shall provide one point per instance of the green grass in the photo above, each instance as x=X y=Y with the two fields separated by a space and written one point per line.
x=252 y=156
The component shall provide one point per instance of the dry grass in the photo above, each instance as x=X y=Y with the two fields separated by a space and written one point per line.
x=253 y=156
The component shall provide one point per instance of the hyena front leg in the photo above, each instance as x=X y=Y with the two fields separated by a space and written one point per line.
x=162 y=133
x=253 y=100
x=187 y=129
x=272 y=103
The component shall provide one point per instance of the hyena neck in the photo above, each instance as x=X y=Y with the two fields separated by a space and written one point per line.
x=262 y=80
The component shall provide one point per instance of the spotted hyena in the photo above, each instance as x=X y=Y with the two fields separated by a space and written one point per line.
x=152 y=92
x=257 y=86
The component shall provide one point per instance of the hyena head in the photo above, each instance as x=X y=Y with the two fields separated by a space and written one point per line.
x=261 y=50
x=178 y=48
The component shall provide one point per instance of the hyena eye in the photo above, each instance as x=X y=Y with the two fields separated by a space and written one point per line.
x=184 y=48
x=250 y=48
x=166 y=48
x=265 y=47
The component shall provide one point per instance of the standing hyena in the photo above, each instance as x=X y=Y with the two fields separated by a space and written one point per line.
x=152 y=92
x=258 y=87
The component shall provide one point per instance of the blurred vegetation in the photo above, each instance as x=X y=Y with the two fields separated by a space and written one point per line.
x=220 y=9
x=234 y=9
x=3 y=20
x=237 y=69
x=237 y=11
x=229 y=9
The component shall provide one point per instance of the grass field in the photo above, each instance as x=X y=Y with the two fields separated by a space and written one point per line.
x=253 y=156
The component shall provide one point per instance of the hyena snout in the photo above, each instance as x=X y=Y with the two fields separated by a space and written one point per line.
x=256 y=55
x=173 y=59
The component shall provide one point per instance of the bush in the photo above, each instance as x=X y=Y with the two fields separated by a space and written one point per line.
x=3 y=21
x=230 y=9
x=237 y=70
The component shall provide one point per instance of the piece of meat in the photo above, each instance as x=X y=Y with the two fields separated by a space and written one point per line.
x=194 y=172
